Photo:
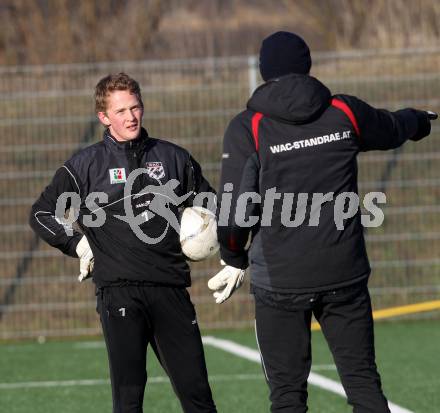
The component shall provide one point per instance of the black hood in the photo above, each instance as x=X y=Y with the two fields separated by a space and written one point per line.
x=294 y=98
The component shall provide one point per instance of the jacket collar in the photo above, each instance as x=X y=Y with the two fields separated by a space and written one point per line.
x=133 y=145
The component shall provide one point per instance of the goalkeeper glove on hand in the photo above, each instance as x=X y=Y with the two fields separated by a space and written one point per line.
x=86 y=262
x=226 y=282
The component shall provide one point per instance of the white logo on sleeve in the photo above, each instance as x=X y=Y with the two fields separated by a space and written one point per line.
x=122 y=311
x=117 y=175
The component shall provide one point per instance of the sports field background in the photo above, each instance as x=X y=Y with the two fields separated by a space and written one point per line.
x=46 y=114
x=72 y=376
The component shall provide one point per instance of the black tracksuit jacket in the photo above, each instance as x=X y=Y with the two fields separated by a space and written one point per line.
x=304 y=142
x=119 y=254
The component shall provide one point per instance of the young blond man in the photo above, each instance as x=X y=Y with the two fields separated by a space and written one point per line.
x=132 y=254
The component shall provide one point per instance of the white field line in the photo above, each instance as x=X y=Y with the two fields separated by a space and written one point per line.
x=86 y=345
x=99 y=382
x=90 y=345
x=54 y=383
x=314 y=379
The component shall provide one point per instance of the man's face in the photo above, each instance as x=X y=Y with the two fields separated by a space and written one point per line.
x=123 y=116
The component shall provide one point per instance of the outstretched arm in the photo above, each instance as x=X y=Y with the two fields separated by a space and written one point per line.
x=381 y=129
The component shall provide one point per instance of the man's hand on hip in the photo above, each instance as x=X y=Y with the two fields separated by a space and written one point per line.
x=86 y=262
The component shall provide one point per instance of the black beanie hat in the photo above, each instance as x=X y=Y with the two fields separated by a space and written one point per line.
x=282 y=53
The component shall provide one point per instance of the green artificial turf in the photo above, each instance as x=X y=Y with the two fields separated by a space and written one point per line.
x=407 y=356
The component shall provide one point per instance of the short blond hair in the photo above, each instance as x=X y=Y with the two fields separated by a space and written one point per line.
x=111 y=83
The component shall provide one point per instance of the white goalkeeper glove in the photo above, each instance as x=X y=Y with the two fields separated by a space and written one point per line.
x=86 y=262
x=226 y=282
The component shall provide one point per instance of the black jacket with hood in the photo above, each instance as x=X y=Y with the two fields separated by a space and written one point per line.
x=296 y=138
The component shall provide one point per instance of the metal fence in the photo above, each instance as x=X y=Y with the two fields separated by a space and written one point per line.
x=47 y=113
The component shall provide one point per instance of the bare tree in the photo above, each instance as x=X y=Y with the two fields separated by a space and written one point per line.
x=349 y=24
x=59 y=31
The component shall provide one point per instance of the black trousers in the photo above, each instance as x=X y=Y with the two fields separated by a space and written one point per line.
x=134 y=316
x=283 y=333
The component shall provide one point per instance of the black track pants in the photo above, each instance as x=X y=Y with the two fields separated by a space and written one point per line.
x=283 y=334
x=134 y=316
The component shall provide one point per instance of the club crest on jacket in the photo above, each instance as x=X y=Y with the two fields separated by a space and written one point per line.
x=155 y=170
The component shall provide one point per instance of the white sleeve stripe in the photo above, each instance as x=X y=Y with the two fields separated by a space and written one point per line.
x=44 y=212
x=71 y=174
